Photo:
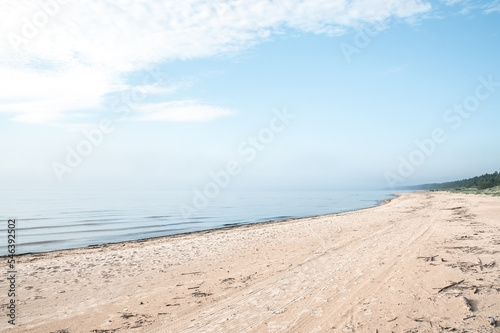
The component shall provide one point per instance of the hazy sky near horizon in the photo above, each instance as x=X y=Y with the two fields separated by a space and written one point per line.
x=244 y=94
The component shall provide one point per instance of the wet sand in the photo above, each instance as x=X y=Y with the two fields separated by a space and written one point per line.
x=424 y=262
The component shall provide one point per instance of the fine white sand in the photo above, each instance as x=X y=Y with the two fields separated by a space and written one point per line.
x=379 y=269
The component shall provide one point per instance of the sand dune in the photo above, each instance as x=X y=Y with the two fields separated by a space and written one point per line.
x=424 y=262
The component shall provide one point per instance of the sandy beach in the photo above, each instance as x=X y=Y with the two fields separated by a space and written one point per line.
x=423 y=262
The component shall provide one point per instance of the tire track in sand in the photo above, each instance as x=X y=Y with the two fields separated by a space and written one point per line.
x=297 y=287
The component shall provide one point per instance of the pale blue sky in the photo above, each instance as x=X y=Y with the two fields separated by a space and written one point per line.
x=200 y=80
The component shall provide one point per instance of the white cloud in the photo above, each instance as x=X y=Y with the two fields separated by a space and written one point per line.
x=180 y=111
x=70 y=54
x=34 y=96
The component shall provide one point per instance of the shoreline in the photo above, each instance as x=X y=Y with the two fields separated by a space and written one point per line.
x=143 y=240
x=406 y=265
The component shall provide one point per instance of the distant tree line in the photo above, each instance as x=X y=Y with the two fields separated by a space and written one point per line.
x=480 y=182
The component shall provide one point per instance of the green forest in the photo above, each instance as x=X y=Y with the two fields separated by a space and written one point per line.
x=488 y=180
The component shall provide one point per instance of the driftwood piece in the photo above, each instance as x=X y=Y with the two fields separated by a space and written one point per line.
x=449 y=286
x=466 y=303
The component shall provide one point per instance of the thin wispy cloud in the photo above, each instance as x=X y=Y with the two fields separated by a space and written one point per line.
x=451 y=2
x=467 y=6
x=493 y=7
x=60 y=56
x=180 y=111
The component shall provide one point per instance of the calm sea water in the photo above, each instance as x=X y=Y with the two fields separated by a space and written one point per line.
x=47 y=221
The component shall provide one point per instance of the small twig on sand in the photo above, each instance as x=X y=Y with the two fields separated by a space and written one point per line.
x=418 y=320
x=490 y=265
x=449 y=286
x=425 y=290
x=431 y=258
x=191 y=273
x=392 y=319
